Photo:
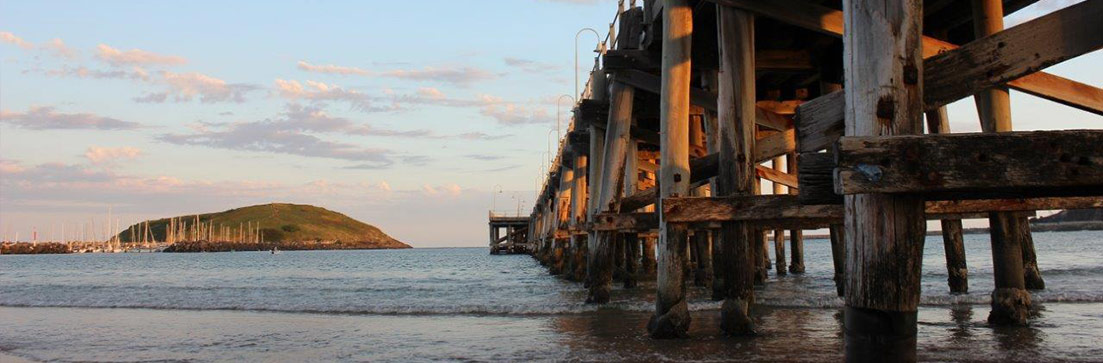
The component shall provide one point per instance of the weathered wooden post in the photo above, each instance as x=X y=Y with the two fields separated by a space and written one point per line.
x=1032 y=276
x=700 y=266
x=838 y=257
x=597 y=150
x=649 y=263
x=762 y=242
x=493 y=239
x=952 y=240
x=702 y=276
x=578 y=216
x=884 y=233
x=796 y=236
x=735 y=176
x=779 y=234
x=612 y=173
x=1010 y=300
x=619 y=255
x=562 y=216
x=712 y=138
x=671 y=317
x=631 y=240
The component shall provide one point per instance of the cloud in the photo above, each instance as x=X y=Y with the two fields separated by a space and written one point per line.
x=183 y=87
x=291 y=134
x=463 y=76
x=481 y=136
x=509 y=113
x=332 y=69
x=135 y=57
x=10 y=38
x=135 y=73
x=459 y=76
x=384 y=186
x=314 y=118
x=529 y=65
x=485 y=157
x=58 y=48
x=319 y=91
x=110 y=155
x=47 y=118
x=257 y=137
x=504 y=168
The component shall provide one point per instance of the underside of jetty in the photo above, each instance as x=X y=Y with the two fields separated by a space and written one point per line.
x=710 y=130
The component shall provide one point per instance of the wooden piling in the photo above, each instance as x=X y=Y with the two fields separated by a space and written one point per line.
x=671 y=317
x=796 y=236
x=735 y=177
x=953 y=242
x=597 y=149
x=712 y=144
x=649 y=263
x=631 y=239
x=579 y=193
x=884 y=233
x=779 y=234
x=611 y=181
x=838 y=257
x=562 y=218
x=1010 y=300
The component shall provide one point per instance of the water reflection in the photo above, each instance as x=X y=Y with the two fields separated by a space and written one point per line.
x=962 y=316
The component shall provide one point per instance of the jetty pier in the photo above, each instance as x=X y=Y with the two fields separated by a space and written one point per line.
x=692 y=106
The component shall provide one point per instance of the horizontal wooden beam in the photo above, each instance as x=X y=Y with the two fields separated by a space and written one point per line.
x=973 y=165
x=1012 y=205
x=773 y=209
x=764 y=209
x=624 y=222
x=765 y=60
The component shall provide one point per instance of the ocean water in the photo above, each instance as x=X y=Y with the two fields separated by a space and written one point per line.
x=463 y=304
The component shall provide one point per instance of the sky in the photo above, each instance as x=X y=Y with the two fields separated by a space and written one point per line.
x=414 y=117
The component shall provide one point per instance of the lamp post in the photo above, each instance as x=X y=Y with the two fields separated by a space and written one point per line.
x=558 y=133
x=576 y=35
x=494 y=198
x=548 y=137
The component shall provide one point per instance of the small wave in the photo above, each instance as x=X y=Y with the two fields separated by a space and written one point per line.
x=496 y=310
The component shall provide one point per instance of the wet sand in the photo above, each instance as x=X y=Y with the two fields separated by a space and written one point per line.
x=957 y=333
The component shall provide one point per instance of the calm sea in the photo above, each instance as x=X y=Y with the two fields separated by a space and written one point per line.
x=463 y=304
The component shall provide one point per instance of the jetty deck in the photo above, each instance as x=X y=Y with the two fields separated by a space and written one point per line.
x=515 y=237
x=692 y=107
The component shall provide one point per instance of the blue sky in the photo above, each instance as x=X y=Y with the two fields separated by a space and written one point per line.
x=403 y=115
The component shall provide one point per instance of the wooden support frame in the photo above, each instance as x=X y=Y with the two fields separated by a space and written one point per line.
x=775 y=60
x=830 y=21
x=786 y=211
x=974 y=165
x=1013 y=53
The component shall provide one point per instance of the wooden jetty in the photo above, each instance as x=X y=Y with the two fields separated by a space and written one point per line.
x=691 y=104
x=515 y=239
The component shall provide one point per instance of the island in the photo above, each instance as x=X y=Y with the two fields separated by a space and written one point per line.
x=274 y=227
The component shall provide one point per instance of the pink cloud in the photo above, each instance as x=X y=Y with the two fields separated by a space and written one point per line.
x=139 y=57
x=8 y=37
x=111 y=155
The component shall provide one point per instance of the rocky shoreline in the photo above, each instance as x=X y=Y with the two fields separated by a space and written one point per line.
x=204 y=246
